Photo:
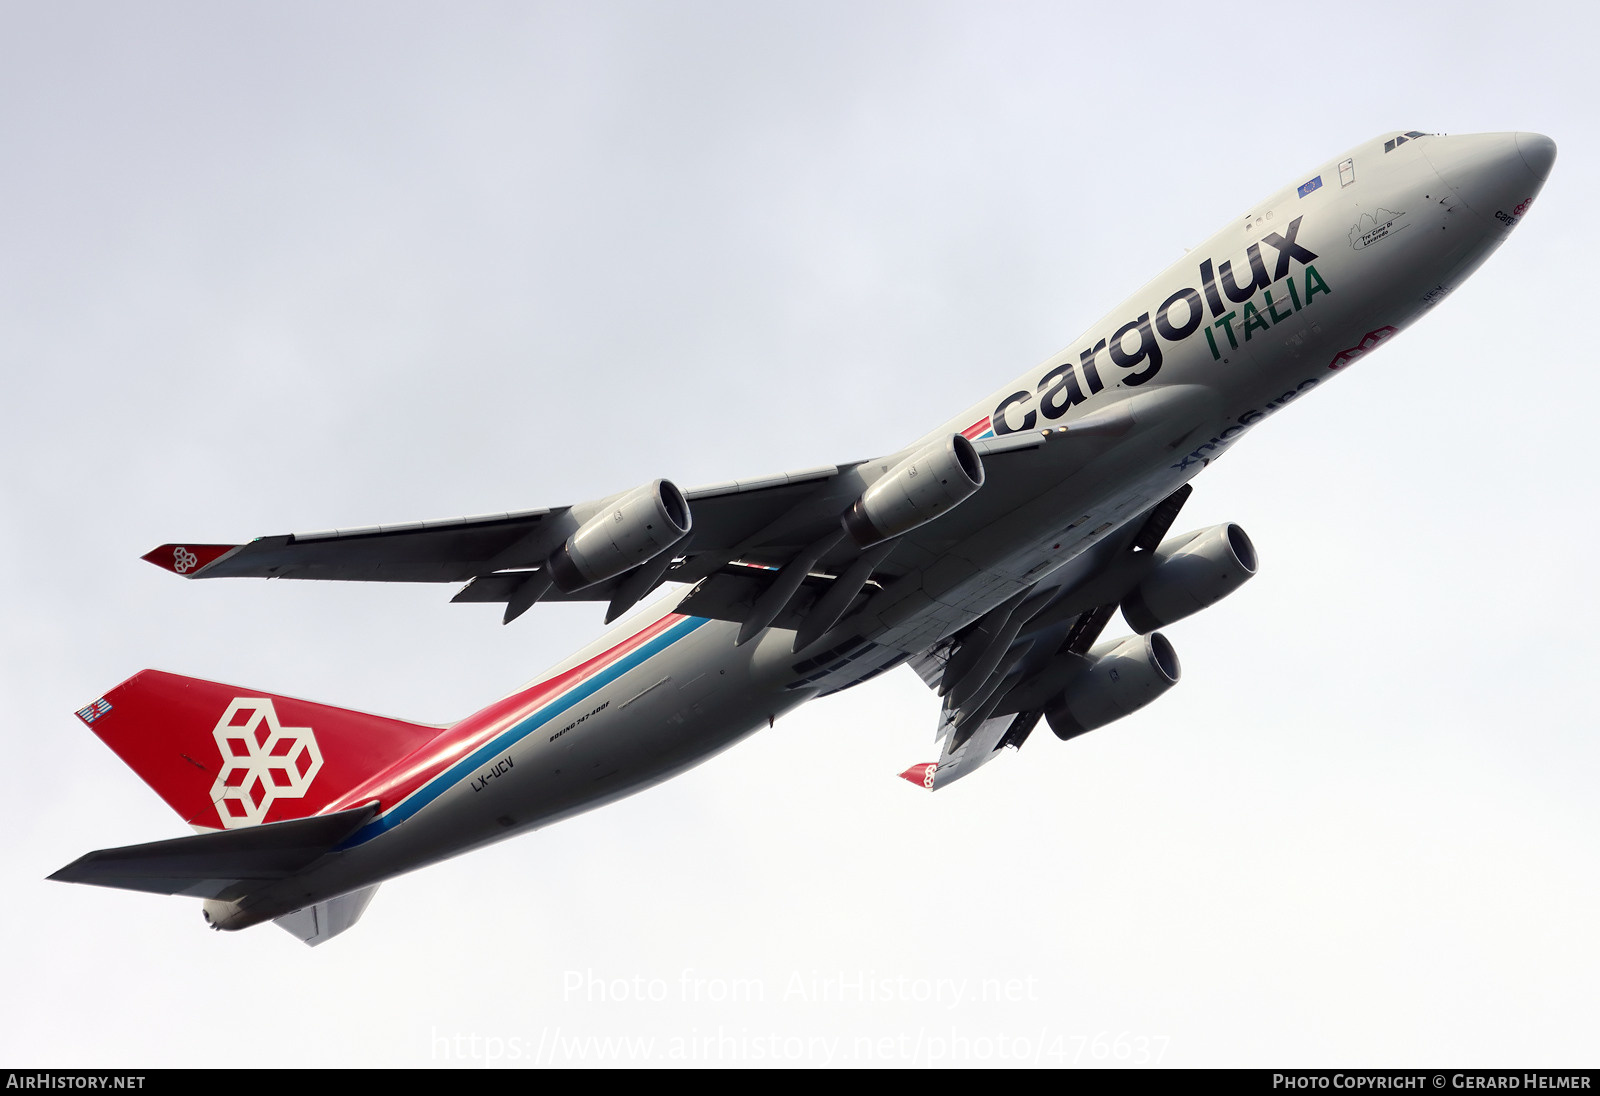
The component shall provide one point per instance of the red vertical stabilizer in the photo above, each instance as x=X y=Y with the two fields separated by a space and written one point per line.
x=226 y=757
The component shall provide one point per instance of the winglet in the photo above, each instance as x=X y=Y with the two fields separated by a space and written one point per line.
x=187 y=559
x=921 y=774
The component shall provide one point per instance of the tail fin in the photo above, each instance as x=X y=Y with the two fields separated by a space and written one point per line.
x=227 y=757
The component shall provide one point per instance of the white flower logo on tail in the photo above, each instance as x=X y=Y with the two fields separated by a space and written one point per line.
x=262 y=761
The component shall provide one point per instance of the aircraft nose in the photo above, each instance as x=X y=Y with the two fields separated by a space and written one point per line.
x=1538 y=152
x=1493 y=171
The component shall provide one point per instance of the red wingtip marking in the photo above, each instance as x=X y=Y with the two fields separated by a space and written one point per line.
x=186 y=559
x=921 y=774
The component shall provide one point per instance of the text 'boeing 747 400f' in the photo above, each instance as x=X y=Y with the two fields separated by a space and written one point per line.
x=989 y=555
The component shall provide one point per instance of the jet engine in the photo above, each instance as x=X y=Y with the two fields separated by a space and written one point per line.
x=1193 y=571
x=627 y=531
x=1123 y=676
x=927 y=484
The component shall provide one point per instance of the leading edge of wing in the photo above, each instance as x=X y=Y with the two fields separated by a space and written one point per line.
x=462 y=548
x=771 y=516
x=443 y=550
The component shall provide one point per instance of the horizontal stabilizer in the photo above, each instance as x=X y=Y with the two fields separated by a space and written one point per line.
x=221 y=864
x=322 y=922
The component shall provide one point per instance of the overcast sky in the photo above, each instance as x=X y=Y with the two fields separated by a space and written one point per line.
x=290 y=266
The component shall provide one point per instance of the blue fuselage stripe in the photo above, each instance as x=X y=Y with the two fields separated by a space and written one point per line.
x=459 y=771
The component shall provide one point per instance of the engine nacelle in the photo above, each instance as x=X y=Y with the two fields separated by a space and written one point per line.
x=928 y=483
x=631 y=529
x=1123 y=676
x=1193 y=571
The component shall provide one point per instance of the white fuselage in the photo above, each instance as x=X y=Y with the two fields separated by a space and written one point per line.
x=1264 y=311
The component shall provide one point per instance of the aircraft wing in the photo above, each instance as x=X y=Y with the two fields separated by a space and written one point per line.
x=460 y=549
x=996 y=675
x=742 y=531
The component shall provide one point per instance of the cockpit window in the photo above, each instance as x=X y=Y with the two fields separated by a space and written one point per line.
x=1409 y=135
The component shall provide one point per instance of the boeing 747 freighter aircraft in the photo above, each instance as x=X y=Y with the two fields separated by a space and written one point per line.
x=988 y=555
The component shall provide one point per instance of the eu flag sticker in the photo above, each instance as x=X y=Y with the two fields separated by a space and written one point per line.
x=1307 y=188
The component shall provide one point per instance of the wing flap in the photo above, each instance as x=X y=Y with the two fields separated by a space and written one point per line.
x=732 y=593
x=980 y=747
x=493 y=588
x=1064 y=625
